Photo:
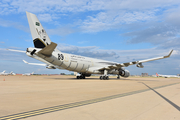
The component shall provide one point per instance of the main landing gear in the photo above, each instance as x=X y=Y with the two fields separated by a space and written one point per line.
x=81 y=76
x=104 y=78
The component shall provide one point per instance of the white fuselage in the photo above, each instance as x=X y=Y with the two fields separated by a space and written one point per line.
x=72 y=62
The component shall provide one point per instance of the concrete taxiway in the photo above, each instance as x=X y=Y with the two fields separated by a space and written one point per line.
x=67 y=98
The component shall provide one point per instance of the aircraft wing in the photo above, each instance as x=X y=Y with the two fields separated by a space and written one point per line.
x=157 y=58
x=139 y=63
x=49 y=66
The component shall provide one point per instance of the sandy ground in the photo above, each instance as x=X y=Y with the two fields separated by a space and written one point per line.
x=27 y=93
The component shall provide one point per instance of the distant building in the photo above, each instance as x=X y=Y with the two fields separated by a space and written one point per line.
x=144 y=74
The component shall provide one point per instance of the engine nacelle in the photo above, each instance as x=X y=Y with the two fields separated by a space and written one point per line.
x=50 y=67
x=140 y=65
x=124 y=73
x=84 y=74
x=87 y=75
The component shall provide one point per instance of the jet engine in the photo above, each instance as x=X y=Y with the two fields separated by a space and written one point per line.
x=50 y=67
x=140 y=65
x=124 y=73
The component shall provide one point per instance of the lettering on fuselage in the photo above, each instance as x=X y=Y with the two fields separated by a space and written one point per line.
x=79 y=58
x=74 y=62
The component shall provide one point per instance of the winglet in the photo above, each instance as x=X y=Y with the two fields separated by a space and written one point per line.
x=47 y=51
x=169 y=54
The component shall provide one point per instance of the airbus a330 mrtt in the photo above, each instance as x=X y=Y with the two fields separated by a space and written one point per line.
x=45 y=51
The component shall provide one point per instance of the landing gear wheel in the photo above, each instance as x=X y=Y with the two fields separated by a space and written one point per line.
x=104 y=77
x=81 y=76
x=118 y=77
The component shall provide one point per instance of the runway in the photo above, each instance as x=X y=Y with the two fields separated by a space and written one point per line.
x=91 y=98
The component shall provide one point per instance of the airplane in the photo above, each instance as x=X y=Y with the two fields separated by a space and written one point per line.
x=3 y=73
x=45 y=51
x=166 y=76
x=28 y=74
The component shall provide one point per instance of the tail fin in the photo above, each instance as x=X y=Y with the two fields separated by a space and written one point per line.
x=39 y=35
x=4 y=71
x=157 y=75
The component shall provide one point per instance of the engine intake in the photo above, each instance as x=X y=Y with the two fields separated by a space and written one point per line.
x=124 y=73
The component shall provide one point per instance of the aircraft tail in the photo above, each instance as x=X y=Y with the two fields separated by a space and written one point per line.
x=39 y=35
x=157 y=75
x=32 y=73
x=4 y=71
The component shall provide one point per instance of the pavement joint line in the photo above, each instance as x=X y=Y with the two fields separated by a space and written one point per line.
x=37 y=112
x=73 y=105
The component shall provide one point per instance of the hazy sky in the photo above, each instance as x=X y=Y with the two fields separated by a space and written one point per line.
x=115 y=30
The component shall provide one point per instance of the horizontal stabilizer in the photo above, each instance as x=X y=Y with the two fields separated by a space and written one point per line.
x=16 y=50
x=49 y=66
x=34 y=63
x=47 y=51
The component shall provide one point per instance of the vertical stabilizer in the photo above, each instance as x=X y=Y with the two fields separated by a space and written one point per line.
x=39 y=35
x=157 y=75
